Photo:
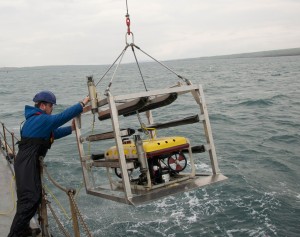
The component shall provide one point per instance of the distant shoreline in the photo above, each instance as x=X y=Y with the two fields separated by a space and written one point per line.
x=269 y=53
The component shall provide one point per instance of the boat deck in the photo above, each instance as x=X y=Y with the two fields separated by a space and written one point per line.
x=6 y=203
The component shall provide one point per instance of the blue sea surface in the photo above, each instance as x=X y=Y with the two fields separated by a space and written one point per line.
x=254 y=108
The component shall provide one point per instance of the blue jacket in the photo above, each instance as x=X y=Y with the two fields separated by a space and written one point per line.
x=38 y=124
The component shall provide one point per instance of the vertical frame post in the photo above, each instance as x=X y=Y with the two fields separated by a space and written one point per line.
x=150 y=121
x=199 y=97
x=85 y=171
x=119 y=144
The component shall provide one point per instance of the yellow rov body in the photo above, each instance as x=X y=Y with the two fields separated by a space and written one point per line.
x=164 y=158
x=152 y=147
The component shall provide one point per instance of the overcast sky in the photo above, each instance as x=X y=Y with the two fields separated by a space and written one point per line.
x=92 y=32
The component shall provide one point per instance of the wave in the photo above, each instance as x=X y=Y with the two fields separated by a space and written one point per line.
x=5 y=92
x=286 y=138
x=276 y=74
x=259 y=102
x=263 y=102
x=221 y=117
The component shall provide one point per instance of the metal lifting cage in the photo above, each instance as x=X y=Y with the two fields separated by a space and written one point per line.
x=126 y=190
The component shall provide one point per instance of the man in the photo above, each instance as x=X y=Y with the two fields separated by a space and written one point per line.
x=37 y=135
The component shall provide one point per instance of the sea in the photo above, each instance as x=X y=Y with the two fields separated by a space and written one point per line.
x=254 y=111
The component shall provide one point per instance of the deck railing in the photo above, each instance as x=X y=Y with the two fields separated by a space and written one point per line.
x=7 y=141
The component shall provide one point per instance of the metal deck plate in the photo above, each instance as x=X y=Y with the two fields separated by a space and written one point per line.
x=141 y=197
x=188 y=185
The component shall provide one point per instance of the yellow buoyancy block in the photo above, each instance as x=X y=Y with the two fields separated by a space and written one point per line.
x=152 y=147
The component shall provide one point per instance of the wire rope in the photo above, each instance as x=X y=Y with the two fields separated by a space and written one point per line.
x=139 y=68
x=121 y=58
x=127 y=8
x=181 y=77
x=138 y=65
x=122 y=53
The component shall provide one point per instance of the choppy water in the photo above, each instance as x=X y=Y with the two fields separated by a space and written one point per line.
x=254 y=107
